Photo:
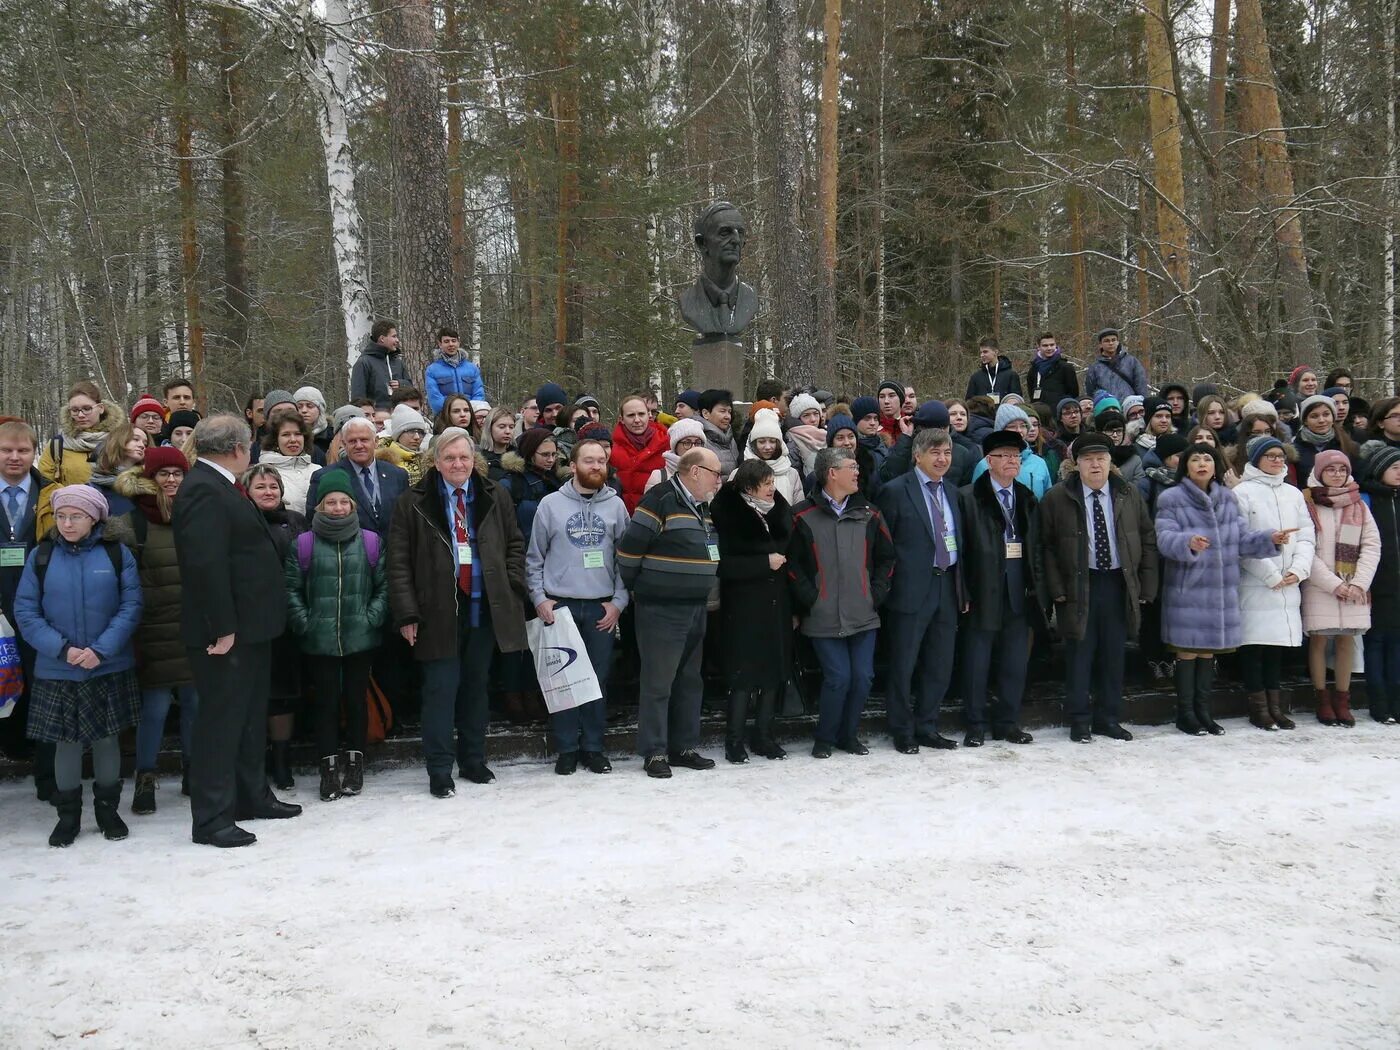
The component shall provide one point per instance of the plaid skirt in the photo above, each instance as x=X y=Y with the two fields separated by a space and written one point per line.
x=81 y=712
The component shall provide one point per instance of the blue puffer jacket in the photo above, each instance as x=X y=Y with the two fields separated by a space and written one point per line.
x=1034 y=474
x=443 y=378
x=84 y=605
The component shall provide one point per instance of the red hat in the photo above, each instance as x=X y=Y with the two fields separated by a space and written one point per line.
x=162 y=456
x=146 y=403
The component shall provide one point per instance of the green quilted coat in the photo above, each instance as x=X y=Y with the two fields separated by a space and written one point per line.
x=339 y=606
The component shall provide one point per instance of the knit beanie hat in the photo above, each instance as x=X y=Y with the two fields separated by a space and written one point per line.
x=1168 y=445
x=532 y=439
x=1255 y=448
x=550 y=394
x=1259 y=407
x=1103 y=401
x=184 y=418
x=765 y=425
x=595 y=432
x=693 y=428
x=406 y=417
x=898 y=388
x=1134 y=401
x=864 y=406
x=146 y=403
x=689 y=398
x=162 y=456
x=838 y=424
x=344 y=414
x=802 y=403
x=1333 y=391
x=481 y=406
x=84 y=498
x=1108 y=419
x=1331 y=457
x=583 y=401
x=1012 y=398
x=1311 y=403
x=1065 y=402
x=1297 y=374
x=931 y=415
x=1008 y=414
x=278 y=397
x=1376 y=459
x=1152 y=405
x=758 y=406
x=329 y=481
x=309 y=393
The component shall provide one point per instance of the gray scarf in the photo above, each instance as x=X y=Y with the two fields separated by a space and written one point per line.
x=762 y=506
x=335 y=530
x=1308 y=437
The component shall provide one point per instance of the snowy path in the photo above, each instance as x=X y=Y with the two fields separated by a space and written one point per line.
x=1170 y=892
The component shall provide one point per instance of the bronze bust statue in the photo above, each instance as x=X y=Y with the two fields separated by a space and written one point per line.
x=718 y=305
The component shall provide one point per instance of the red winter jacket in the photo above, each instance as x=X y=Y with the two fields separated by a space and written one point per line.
x=633 y=466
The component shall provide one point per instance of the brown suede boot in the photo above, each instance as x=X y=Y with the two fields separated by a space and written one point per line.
x=1276 y=710
x=1341 y=703
x=1322 y=700
x=1259 y=716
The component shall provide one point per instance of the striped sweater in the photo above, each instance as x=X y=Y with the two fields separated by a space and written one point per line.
x=665 y=554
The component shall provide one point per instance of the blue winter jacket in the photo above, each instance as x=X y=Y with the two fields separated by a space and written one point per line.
x=443 y=378
x=1034 y=474
x=84 y=605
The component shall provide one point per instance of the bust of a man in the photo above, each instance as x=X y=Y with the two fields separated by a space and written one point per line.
x=718 y=305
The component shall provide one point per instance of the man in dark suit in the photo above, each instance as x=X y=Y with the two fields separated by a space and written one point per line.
x=232 y=606
x=921 y=613
x=24 y=519
x=377 y=485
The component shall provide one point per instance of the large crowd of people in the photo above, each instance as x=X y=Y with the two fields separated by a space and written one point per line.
x=289 y=563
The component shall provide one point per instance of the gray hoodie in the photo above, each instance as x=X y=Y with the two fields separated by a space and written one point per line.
x=571 y=531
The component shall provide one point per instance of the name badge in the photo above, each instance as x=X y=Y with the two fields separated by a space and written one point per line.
x=12 y=556
x=464 y=554
x=714 y=552
x=996 y=398
x=1013 y=550
x=951 y=543
x=593 y=559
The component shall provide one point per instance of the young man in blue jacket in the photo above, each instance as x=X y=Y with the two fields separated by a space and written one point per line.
x=451 y=372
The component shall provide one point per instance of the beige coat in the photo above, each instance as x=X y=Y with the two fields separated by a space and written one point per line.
x=1322 y=611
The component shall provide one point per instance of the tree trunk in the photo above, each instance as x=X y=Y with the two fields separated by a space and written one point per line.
x=418 y=148
x=1074 y=203
x=1164 y=117
x=881 y=349
x=791 y=250
x=189 y=228
x=235 y=210
x=328 y=74
x=567 y=307
x=462 y=267
x=1263 y=120
x=1392 y=172
x=827 y=174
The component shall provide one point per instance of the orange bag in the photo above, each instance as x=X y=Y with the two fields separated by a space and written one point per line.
x=381 y=714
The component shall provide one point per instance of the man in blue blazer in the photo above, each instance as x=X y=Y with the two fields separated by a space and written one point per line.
x=376 y=494
x=921 y=613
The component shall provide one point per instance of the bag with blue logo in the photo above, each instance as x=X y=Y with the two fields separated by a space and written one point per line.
x=11 y=671
x=565 y=673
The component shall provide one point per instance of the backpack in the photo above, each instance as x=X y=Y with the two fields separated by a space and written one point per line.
x=306 y=539
x=43 y=554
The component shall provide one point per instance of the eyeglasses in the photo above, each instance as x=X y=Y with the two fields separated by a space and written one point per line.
x=167 y=473
x=71 y=519
x=712 y=470
x=689 y=443
x=548 y=455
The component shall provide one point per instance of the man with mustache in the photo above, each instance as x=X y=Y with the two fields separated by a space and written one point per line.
x=571 y=563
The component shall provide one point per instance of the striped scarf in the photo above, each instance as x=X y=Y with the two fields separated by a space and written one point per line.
x=1346 y=499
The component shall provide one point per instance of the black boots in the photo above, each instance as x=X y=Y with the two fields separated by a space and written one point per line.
x=143 y=795
x=70 y=816
x=766 y=710
x=1185 y=675
x=105 y=799
x=280 y=765
x=734 y=726
x=330 y=779
x=354 y=781
x=1259 y=716
x=1205 y=682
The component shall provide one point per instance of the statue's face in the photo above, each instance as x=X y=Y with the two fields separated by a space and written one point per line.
x=724 y=237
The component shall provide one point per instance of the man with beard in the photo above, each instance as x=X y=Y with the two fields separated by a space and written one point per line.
x=571 y=563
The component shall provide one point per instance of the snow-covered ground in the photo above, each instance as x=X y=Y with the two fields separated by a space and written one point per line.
x=1172 y=892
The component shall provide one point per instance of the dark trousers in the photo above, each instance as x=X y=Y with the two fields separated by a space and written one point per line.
x=228 y=773
x=922 y=645
x=671 y=642
x=848 y=669
x=1095 y=662
x=340 y=683
x=454 y=695
x=1261 y=667
x=583 y=727
x=397 y=674
x=1010 y=648
x=1382 y=652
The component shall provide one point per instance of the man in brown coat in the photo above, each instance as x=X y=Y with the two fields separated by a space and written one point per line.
x=456 y=568
x=1098 y=550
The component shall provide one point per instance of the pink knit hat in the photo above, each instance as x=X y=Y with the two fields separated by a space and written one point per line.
x=81 y=497
x=1330 y=458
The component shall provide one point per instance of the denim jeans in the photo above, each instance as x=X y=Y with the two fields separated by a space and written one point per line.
x=150 y=730
x=584 y=727
x=848 y=669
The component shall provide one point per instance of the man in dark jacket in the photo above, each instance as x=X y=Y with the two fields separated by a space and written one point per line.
x=1051 y=377
x=994 y=378
x=1115 y=370
x=1098 y=550
x=375 y=483
x=921 y=511
x=25 y=521
x=668 y=558
x=380 y=370
x=998 y=538
x=233 y=604
x=456 y=568
x=931 y=415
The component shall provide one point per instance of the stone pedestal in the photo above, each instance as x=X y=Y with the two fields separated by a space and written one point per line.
x=718 y=366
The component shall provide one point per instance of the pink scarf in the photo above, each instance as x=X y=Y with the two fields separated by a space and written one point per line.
x=1347 y=500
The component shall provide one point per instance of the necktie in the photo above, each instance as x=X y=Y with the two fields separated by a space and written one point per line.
x=12 y=508
x=1009 y=515
x=464 y=572
x=1103 y=559
x=941 y=559
x=369 y=489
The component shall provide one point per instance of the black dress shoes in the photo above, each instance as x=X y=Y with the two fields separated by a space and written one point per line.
x=478 y=773
x=937 y=741
x=974 y=738
x=820 y=750
x=905 y=746
x=657 y=766
x=566 y=763
x=269 y=809
x=1113 y=732
x=853 y=747
x=596 y=762
x=1014 y=735
x=441 y=785
x=1080 y=734
x=692 y=759
x=230 y=837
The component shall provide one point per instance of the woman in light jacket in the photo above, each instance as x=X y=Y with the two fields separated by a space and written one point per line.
x=1336 y=596
x=1271 y=588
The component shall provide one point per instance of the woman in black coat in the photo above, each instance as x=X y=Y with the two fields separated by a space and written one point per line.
x=754 y=524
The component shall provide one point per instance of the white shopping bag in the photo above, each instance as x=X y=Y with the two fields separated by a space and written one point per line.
x=561 y=662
